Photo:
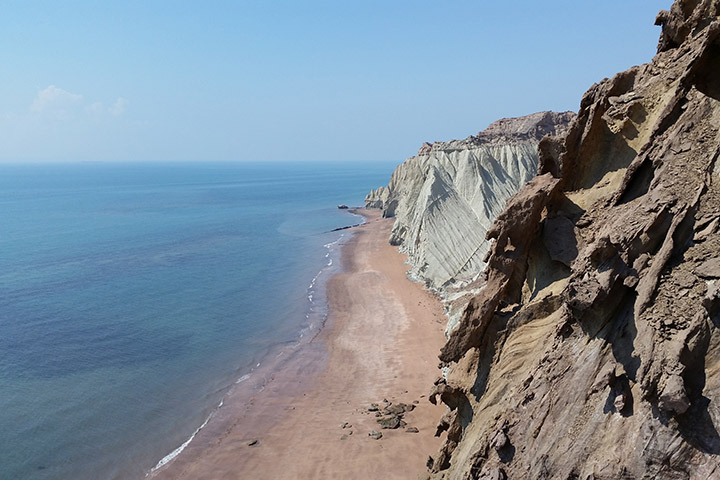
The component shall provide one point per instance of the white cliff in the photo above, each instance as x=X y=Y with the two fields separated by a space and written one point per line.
x=446 y=197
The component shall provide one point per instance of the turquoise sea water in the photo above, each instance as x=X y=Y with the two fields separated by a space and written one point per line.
x=133 y=296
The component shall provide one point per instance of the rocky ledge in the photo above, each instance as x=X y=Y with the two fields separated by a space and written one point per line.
x=593 y=349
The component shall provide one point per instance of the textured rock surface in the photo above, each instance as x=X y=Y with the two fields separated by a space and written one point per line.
x=445 y=199
x=593 y=350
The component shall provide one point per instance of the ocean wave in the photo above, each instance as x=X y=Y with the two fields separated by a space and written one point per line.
x=331 y=244
x=169 y=457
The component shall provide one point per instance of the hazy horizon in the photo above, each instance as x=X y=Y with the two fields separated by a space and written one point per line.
x=258 y=82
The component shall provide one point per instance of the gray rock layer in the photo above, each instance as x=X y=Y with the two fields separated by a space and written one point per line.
x=445 y=199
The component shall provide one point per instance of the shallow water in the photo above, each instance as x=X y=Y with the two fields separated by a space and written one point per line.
x=133 y=296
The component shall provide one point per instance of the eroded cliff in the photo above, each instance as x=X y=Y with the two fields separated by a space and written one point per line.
x=593 y=349
x=445 y=199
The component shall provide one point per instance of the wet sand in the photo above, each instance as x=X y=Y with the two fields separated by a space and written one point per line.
x=381 y=343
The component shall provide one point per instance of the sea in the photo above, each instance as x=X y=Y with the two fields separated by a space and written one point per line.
x=134 y=296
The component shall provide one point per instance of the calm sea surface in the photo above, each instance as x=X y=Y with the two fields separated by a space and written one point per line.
x=133 y=296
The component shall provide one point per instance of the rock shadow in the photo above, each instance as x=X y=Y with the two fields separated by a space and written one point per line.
x=707 y=78
x=697 y=428
x=614 y=322
x=465 y=412
x=507 y=453
x=493 y=336
x=620 y=399
x=639 y=183
x=696 y=425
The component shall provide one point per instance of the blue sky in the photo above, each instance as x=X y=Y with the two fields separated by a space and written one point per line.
x=295 y=81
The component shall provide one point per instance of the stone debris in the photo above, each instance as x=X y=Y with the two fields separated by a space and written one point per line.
x=391 y=422
x=391 y=416
x=375 y=435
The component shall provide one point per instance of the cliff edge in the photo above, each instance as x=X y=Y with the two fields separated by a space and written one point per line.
x=445 y=199
x=593 y=350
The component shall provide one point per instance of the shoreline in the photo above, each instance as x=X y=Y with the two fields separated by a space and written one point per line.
x=378 y=343
x=236 y=406
x=273 y=360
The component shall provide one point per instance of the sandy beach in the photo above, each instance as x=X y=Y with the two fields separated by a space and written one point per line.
x=310 y=420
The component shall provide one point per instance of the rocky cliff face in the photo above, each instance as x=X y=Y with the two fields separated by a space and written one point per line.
x=593 y=350
x=445 y=199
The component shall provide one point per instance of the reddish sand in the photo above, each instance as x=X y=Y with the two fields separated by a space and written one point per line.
x=381 y=343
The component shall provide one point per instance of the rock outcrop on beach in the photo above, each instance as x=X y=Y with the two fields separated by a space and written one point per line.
x=593 y=349
x=446 y=197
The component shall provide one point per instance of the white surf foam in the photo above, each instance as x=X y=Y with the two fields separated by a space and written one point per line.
x=169 y=458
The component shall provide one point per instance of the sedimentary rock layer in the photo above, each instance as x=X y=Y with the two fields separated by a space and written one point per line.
x=593 y=350
x=445 y=199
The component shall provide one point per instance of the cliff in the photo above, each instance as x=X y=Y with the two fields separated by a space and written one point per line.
x=593 y=349
x=445 y=199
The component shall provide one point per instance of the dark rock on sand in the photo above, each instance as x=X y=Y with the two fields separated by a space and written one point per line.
x=392 y=422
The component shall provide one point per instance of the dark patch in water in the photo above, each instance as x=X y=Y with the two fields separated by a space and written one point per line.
x=344 y=228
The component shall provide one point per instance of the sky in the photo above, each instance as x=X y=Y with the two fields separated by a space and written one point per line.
x=295 y=80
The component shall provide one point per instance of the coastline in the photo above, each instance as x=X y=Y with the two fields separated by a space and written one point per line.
x=374 y=346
